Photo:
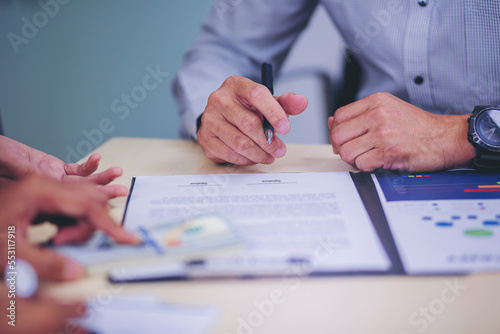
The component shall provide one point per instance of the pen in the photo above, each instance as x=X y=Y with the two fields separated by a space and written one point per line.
x=149 y=241
x=267 y=80
x=178 y=271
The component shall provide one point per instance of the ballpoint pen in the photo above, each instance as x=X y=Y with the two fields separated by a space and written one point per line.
x=149 y=241
x=267 y=80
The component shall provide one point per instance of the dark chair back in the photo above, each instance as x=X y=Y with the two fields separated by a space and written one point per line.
x=352 y=78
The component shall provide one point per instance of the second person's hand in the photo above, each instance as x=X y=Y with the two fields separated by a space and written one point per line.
x=18 y=161
x=83 y=207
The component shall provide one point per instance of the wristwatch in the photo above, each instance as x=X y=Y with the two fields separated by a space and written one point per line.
x=484 y=135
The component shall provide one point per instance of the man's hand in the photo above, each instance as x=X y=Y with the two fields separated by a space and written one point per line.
x=18 y=161
x=82 y=205
x=231 y=126
x=382 y=131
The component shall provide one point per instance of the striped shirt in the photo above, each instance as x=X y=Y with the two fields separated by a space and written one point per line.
x=441 y=56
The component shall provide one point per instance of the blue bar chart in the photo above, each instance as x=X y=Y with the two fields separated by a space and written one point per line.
x=460 y=184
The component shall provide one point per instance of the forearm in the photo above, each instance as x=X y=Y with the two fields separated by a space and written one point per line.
x=236 y=41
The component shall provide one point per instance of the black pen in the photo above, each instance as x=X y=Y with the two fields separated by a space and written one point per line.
x=267 y=80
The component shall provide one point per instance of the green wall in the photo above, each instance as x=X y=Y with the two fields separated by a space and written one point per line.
x=78 y=72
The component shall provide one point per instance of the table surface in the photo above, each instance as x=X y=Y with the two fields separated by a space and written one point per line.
x=346 y=304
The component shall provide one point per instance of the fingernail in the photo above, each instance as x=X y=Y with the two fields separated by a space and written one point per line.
x=270 y=160
x=330 y=122
x=129 y=238
x=135 y=239
x=72 y=270
x=283 y=127
x=280 y=152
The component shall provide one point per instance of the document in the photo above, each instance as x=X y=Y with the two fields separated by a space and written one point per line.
x=145 y=314
x=316 y=220
x=447 y=222
x=165 y=241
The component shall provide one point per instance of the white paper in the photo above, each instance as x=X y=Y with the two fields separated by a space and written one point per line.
x=438 y=226
x=170 y=241
x=313 y=218
x=131 y=314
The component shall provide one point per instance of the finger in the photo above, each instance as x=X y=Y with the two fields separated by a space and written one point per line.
x=241 y=131
x=99 y=218
x=72 y=310
x=347 y=131
x=241 y=140
x=86 y=204
x=71 y=328
x=57 y=314
x=217 y=151
x=352 y=110
x=369 y=161
x=66 y=311
x=242 y=105
x=76 y=233
x=352 y=149
x=43 y=315
x=105 y=177
x=5 y=182
x=50 y=265
x=253 y=144
x=84 y=169
x=330 y=122
x=293 y=104
x=114 y=191
x=67 y=199
x=330 y=126
x=259 y=97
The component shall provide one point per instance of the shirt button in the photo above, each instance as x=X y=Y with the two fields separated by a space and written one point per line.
x=418 y=80
x=423 y=3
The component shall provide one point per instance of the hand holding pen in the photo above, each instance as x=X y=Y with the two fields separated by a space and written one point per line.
x=233 y=128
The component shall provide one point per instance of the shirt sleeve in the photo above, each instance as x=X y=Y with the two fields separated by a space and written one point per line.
x=236 y=38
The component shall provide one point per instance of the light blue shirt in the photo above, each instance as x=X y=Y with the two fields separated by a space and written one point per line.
x=441 y=56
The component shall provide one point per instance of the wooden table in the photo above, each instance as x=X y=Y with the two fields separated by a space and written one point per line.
x=373 y=304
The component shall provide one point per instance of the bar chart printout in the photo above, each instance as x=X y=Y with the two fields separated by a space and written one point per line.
x=445 y=222
x=454 y=185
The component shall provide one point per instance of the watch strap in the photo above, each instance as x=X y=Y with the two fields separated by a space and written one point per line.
x=486 y=160
x=477 y=108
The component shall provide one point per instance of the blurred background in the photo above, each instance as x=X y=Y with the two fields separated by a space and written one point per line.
x=72 y=72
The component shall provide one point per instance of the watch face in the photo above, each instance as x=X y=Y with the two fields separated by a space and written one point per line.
x=488 y=127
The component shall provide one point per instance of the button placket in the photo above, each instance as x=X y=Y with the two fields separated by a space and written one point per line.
x=416 y=53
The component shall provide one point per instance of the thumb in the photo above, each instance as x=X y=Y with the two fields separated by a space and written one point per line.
x=330 y=122
x=293 y=104
x=50 y=265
